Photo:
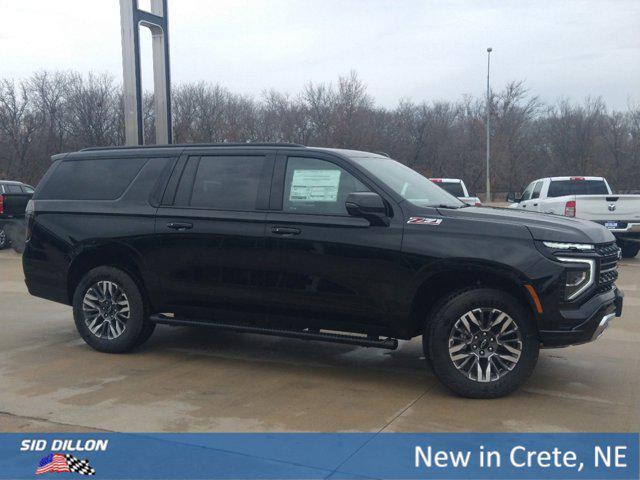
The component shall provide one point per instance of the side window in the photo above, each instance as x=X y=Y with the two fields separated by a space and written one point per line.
x=527 y=192
x=227 y=182
x=96 y=179
x=318 y=187
x=12 y=188
x=536 y=190
x=27 y=189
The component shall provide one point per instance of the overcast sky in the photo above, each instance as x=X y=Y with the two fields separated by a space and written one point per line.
x=421 y=50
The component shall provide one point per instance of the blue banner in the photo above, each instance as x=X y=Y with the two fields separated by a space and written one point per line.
x=320 y=456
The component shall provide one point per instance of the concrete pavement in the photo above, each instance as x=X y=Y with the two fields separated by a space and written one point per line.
x=204 y=380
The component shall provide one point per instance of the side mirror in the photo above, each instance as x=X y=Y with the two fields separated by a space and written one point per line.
x=367 y=205
x=511 y=198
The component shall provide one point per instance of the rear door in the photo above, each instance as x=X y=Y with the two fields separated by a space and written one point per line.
x=324 y=266
x=212 y=224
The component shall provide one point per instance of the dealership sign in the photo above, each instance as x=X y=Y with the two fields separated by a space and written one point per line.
x=320 y=455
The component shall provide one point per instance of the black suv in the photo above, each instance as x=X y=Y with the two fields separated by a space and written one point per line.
x=314 y=243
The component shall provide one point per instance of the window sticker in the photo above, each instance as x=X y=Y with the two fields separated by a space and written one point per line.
x=315 y=186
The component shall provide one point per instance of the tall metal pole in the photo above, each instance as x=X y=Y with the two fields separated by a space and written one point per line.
x=132 y=18
x=488 y=113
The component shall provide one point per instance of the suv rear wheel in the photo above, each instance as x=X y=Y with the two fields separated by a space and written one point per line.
x=110 y=312
x=481 y=343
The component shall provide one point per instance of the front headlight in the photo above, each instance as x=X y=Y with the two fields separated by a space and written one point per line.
x=579 y=276
x=581 y=247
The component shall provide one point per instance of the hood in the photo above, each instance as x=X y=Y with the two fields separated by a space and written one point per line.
x=543 y=226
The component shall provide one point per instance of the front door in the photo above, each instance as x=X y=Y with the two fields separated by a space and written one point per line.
x=213 y=234
x=324 y=266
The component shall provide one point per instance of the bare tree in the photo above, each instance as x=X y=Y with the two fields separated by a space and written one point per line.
x=53 y=112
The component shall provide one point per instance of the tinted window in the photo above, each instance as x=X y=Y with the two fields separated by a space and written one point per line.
x=536 y=190
x=10 y=188
x=318 y=187
x=454 y=189
x=227 y=183
x=560 y=188
x=96 y=179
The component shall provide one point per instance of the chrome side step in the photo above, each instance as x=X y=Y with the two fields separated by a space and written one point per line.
x=387 y=343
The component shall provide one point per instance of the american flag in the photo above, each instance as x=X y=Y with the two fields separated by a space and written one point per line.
x=57 y=462
x=54 y=462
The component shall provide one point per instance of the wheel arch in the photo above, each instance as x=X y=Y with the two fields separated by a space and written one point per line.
x=455 y=276
x=114 y=255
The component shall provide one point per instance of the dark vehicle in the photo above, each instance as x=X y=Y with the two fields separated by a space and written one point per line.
x=313 y=243
x=14 y=197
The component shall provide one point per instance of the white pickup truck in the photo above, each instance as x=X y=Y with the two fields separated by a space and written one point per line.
x=589 y=198
x=457 y=188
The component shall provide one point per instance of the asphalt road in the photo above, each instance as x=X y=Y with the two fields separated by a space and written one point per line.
x=202 y=380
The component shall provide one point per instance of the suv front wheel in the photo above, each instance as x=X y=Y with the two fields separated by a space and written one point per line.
x=481 y=343
x=110 y=312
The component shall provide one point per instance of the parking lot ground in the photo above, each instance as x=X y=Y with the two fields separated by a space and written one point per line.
x=204 y=380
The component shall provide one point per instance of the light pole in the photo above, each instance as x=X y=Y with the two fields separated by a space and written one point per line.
x=488 y=190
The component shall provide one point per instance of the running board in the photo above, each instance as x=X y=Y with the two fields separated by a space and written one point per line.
x=388 y=343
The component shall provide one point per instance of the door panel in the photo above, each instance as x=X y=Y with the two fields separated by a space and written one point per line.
x=324 y=266
x=332 y=268
x=213 y=236
x=212 y=258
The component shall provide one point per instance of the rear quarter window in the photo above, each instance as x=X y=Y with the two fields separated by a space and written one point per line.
x=95 y=179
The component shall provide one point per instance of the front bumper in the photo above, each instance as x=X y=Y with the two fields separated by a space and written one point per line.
x=587 y=323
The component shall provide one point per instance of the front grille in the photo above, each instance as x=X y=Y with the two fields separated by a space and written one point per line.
x=607 y=266
x=608 y=249
x=604 y=289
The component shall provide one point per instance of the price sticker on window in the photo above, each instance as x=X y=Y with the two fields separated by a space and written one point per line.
x=315 y=186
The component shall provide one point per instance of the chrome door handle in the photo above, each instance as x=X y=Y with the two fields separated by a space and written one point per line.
x=180 y=225
x=285 y=230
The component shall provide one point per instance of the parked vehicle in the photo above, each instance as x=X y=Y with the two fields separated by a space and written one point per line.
x=458 y=189
x=318 y=244
x=589 y=198
x=13 y=201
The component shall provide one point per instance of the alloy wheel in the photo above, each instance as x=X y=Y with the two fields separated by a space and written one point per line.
x=106 y=309
x=485 y=344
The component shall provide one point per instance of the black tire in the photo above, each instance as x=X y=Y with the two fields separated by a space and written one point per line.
x=136 y=329
x=441 y=324
x=145 y=334
x=4 y=239
x=630 y=249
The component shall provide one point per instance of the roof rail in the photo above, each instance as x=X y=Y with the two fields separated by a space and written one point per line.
x=196 y=145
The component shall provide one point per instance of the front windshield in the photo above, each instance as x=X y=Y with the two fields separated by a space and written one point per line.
x=408 y=183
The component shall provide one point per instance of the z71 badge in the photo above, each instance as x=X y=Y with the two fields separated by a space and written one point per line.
x=424 y=221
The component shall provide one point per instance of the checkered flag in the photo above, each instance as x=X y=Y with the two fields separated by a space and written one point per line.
x=79 y=466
